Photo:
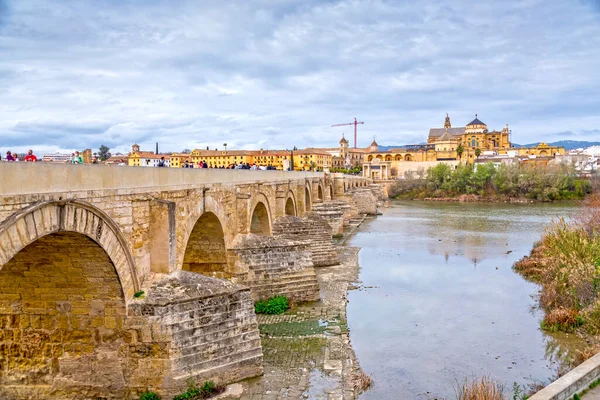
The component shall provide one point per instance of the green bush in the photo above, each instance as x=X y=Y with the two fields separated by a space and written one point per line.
x=149 y=396
x=541 y=183
x=194 y=392
x=274 y=305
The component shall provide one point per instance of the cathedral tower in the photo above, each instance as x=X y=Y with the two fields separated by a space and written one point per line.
x=447 y=124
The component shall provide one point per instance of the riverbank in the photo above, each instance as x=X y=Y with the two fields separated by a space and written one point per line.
x=473 y=198
x=307 y=350
x=566 y=264
x=486 y=182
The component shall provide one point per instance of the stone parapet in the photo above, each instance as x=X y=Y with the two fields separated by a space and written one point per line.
x=574 y=382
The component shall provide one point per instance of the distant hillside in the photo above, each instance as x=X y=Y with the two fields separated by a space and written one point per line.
x=567 y=144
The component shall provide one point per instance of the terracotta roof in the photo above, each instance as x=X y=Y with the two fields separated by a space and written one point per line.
x=312 y=150
x=148 y=154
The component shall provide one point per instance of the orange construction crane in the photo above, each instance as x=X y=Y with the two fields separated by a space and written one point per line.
x=355 y=123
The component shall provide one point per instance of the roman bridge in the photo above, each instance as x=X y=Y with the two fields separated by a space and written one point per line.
x=115 y=280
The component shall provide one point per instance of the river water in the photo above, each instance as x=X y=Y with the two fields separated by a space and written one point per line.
x=441 y=302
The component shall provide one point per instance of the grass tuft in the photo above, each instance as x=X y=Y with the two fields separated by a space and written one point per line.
x=149 y=395
x=361 y=382
x=483 y=388
x=274 y=305
x=195 y=392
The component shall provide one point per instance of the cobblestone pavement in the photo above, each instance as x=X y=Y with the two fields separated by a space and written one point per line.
x=307 y=352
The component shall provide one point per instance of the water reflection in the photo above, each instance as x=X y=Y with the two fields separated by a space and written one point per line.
x=448 y=303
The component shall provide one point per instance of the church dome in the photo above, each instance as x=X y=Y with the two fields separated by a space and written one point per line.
x=476 y=121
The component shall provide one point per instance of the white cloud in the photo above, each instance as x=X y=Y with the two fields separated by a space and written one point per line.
x=278 y=74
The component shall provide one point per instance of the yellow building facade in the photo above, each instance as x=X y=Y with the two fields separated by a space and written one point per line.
x=305 y=159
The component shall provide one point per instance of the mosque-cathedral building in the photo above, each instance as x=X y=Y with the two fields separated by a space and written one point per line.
x=468 y=144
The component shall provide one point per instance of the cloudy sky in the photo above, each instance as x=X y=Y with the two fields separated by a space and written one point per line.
x=277 y=73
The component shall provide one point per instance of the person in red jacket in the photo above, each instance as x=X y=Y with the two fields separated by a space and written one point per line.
x=30 y=157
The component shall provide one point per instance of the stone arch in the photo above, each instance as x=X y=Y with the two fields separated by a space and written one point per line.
x=70 y=310
x=398 y=157
x=331 y=192
x=408 y=157
x=370 y=158
x=543 y=153
x=205 y=252
x=260 y=217
x=290 y=205
x=388 y=158
x=320 y=192
x=41 y=219
x=379 y=157
x=307 y=199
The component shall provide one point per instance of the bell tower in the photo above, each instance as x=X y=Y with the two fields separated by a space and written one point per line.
x=343 y=147
x=447 y=124
x=135 y=148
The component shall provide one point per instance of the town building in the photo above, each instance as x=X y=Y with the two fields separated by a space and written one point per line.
x=139 y=158
x=305 y=159
x=57 y=158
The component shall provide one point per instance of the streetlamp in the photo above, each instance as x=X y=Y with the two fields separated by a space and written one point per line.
x=225 y=145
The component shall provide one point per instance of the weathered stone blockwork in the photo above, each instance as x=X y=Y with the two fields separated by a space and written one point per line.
x=311 y=230
x=333 y=212
x=62 y=331
x=209 y=325
x=272 y=266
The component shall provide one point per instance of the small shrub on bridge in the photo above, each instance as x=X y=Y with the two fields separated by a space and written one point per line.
x=274 y=305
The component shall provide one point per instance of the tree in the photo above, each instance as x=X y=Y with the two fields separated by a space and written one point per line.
x=103 y=153
x=313 y=165
x=460 y=150
x=477 y=152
